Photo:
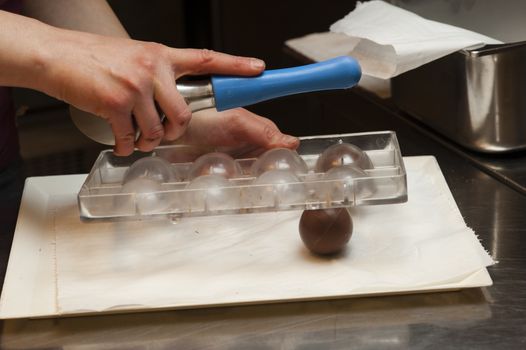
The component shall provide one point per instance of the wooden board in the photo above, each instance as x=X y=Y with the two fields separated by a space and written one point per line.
x=61 y=266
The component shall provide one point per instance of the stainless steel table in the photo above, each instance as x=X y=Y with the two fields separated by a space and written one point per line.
x=481 y=318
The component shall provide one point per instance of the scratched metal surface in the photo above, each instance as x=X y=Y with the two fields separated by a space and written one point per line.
x=481 y=318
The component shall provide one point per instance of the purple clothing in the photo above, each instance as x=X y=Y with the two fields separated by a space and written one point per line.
x=8 y=135
x=14 y=6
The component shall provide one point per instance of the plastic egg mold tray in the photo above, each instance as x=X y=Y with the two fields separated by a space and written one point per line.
x=102 y=196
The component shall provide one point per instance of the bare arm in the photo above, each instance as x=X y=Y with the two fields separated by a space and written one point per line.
x=22 y=59
x=92 y=16
x=111 y=77
x=115 y=78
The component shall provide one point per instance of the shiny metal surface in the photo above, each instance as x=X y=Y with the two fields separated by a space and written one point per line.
x=474 y=97
x=198 y=95
x=481 y=318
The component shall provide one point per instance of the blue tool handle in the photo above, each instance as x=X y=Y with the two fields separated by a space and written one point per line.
x=234 y=91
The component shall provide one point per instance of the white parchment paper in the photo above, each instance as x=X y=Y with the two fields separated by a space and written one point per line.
x=387 y=40
x=257 y=258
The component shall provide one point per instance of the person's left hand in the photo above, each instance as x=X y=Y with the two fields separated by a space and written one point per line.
x=235 y=131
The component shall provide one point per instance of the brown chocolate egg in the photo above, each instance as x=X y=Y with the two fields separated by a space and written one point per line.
x=326 y=231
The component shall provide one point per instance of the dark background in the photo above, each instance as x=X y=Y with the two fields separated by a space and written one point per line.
x=50 y=144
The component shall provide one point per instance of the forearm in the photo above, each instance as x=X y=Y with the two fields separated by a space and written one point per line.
x=24 y=53
x=39 y=56
x=26 y=44
x=92 y=16
x=106 y=75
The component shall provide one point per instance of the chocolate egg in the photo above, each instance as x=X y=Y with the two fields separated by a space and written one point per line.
x=326 y=231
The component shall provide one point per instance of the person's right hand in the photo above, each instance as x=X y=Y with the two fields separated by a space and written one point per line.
x=117 y=78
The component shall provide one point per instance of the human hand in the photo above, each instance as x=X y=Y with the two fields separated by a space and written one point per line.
x=238 y=132
x=115 y=78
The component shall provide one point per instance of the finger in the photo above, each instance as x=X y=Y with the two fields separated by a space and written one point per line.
x=174 y=107
x=281 y=139
x=149 y=122
x=195 y=61
x=247 y=151
x=124 y=132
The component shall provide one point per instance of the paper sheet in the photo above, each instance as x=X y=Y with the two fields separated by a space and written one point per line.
x=260 y=257
x=387 y=40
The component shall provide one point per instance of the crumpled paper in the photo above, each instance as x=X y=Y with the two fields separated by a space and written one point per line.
x=255 y=258
x=387 y=40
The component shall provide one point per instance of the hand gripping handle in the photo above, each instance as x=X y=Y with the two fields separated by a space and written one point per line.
x=234 y=91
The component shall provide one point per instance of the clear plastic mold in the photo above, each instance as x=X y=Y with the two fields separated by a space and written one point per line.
x=257 y=185
x=279 y=158
x=281 y=187
x=153 y=168
x=343 y=154
x=215 y=163
x=145 y=194
x=346 y=181
x=211 y=193
x=142 y=185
